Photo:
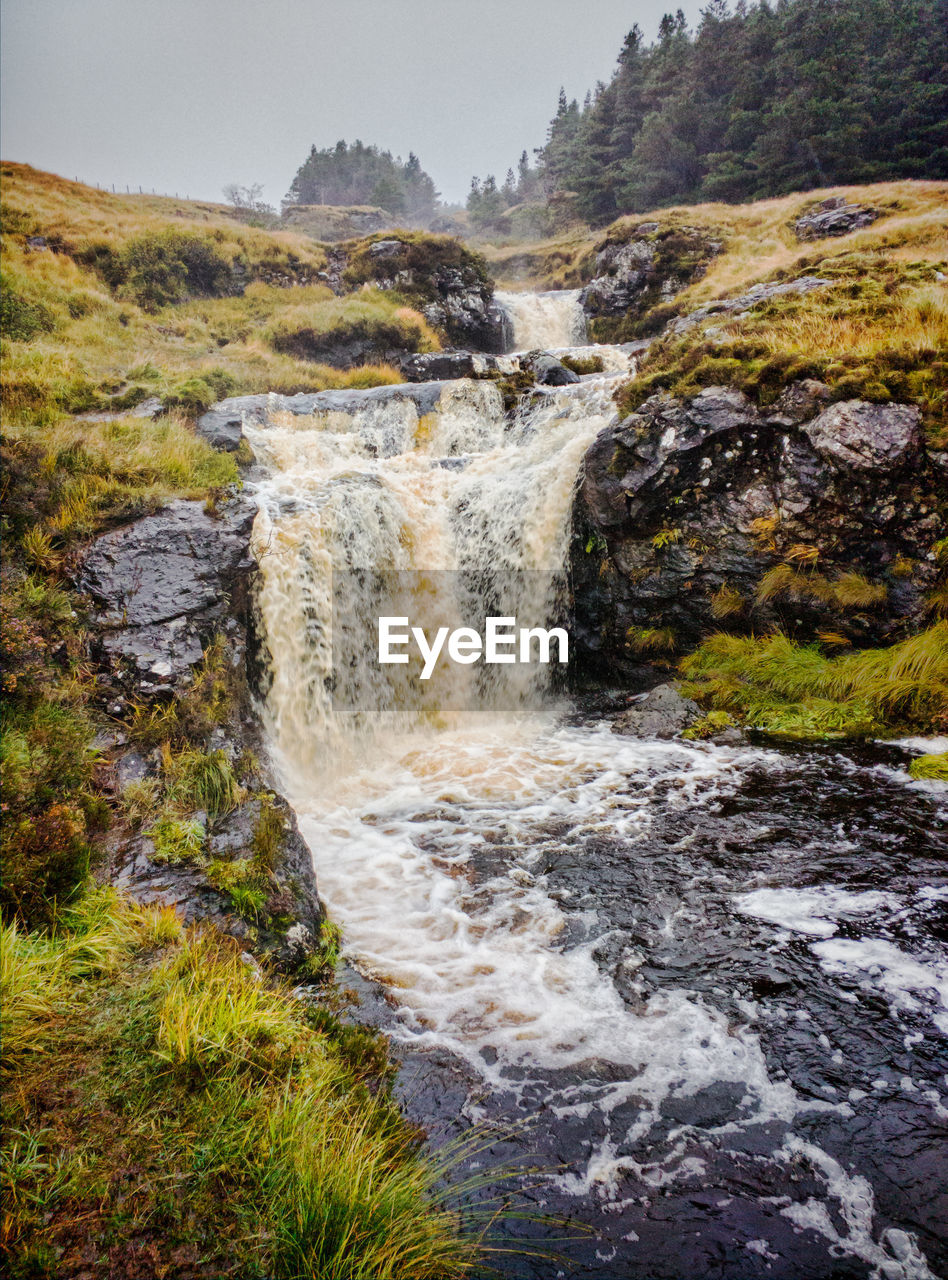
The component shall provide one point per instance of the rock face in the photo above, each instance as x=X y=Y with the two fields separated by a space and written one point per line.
x=833 y=217
x=649 y=265
x=469 y=315
x=164 y=588
x=622 y=274
x=686 y=504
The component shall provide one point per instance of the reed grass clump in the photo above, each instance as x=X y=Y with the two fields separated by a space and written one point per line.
x=798 y=691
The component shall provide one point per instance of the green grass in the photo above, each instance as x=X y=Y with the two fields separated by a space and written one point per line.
x=164 y=1103
x=932 y=767
x=797 y=691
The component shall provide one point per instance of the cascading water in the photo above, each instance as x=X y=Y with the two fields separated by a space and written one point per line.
x=450 y=844
x=545 y=321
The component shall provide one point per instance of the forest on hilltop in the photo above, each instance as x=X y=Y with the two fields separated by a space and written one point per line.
x=356 y=174
x=759 y=100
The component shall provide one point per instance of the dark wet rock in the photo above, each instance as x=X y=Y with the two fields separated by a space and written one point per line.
x=686 y=497
x=438 y=366
x=833 y=217
x=708 y=1108
x=551 y=372
x=222 y=428
x=661 y=713
x=467 y=313
x=164 y=586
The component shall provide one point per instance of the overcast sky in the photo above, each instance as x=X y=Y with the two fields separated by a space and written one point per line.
x=185 y=96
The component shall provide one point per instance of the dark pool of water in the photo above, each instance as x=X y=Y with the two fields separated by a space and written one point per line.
x=706 y=1191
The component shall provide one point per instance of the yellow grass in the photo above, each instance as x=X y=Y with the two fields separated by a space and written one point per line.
x=759 y=237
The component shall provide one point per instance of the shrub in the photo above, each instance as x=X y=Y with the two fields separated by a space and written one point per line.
x=22 y=318
x=168 y=266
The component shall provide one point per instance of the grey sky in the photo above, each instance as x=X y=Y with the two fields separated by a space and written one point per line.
x=188 y=95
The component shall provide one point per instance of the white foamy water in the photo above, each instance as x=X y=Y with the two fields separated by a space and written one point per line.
x=544 y=321
x=405 y=816
x=911 y=984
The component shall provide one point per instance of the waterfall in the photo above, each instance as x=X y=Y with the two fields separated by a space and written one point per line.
x=440 y=824
x=545 y=321
x=431 y=478
x=428 y=823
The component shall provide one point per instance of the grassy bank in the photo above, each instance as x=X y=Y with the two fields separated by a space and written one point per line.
x=169 y=1109
x=807 y=692
x=108 y=300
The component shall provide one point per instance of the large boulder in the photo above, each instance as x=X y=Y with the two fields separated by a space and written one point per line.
x=638 y=268
x=661 y=713
x=622 y=275
x=833 y=217
x=685 y=505
x=550 y=372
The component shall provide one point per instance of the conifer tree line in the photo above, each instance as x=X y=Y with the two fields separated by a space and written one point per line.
x=356 y=174
x=759 y=100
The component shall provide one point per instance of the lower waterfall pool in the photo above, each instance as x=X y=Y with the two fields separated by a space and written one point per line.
x=694 y=998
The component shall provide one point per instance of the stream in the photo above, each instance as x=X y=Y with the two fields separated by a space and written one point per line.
x=692 y=998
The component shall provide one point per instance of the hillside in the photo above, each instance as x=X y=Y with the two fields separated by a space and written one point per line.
x=174 y=1106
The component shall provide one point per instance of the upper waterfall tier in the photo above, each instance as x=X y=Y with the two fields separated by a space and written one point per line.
x=543 y=321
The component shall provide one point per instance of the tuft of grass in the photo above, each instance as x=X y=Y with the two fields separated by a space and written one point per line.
x=708 y=725
x=796 y=691
x=847 y=590
x=142 y=1048
x=726 y=602
x=651 y=639
x=176 y=839
x=932 y=767
x=31 y=975
x=201 y=780
x=267 y=834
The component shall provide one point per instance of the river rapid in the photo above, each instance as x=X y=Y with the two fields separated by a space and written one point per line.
x=694 y=998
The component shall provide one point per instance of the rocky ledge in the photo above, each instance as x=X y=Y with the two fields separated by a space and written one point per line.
x=711 y=513
x=833 y=217
x=171 y=596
